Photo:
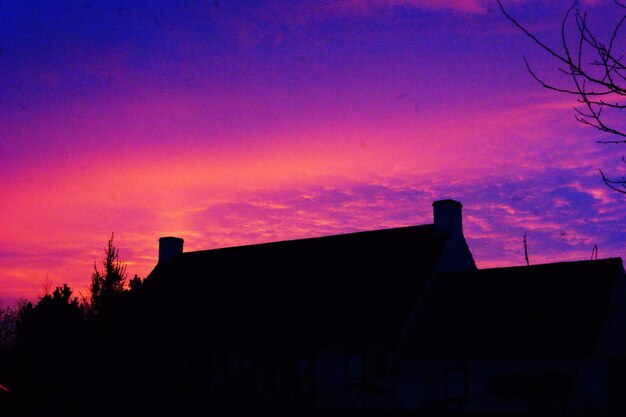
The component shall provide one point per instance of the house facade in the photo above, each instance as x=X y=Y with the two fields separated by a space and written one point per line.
x=543 y=338
x=394 y=319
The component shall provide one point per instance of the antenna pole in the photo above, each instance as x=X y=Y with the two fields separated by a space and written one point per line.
x=526 y=249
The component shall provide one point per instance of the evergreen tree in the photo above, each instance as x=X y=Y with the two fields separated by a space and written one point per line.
x=49 y=339
x=107 y=285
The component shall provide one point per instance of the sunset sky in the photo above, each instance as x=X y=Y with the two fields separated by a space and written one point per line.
x=237 y=122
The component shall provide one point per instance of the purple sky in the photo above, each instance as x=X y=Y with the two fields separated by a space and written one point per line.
x=236 y=122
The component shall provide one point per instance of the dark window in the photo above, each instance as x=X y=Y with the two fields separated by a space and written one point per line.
x=246 y=365
x=306 y=375
x=382 y=370
x=355 y=372
x=456 y=384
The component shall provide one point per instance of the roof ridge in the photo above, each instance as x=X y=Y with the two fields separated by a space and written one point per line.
x=313 y=238
x=615 y=259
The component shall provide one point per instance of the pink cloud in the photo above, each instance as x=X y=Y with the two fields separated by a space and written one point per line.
x=309 y=182
x=553 y=205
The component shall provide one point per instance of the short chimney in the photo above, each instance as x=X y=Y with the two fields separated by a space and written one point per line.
x=169 y=247
x=447 y=217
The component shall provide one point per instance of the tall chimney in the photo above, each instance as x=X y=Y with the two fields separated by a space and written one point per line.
x=447 y=217
x=169 y=247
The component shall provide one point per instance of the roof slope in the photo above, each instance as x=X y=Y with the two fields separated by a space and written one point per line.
x=550 y=309
x=340 y=289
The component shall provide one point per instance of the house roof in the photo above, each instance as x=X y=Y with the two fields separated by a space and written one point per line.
x=551 y=309
x=339 y=289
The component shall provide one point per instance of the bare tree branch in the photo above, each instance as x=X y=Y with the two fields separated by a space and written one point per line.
x=597 y=75
x=618 y=184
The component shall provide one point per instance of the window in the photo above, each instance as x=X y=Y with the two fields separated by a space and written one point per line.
x=355 y=373
x=456 y=384
x=306 y=374
x=382 y=369
x=247 y=369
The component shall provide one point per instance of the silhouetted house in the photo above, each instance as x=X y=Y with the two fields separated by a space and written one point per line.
x=395 y=319
x=535 y=338
x=310 y=322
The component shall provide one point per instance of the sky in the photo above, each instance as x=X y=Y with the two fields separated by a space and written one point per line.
x=237 y=122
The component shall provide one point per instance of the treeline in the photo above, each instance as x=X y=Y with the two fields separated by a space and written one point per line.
x=77 y=356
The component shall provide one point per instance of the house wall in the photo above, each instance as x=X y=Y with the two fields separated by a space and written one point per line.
x=612 y=349
x=265 y=378
x=424 y=385
x=612 y=342
x=456 y=255
x=355 y=379
x=350 y=378
x=330 y=379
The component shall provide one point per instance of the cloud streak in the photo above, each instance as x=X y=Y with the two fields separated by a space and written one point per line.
x=565 y=211
x=498 y=211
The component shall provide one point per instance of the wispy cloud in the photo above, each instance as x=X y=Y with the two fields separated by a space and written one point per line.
x=563 y=219
x=564 y=209
x=465 y=6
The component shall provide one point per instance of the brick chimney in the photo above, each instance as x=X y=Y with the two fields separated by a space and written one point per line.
x=448 y=217
x=169 y=247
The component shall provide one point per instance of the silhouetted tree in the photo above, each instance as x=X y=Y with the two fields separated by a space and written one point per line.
x=597 y=75
x=134 y=285
x=102 y=335
x=107 y=285
x=54 y=318
x=113 y=337
x=48 y=341
x=8 y=321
